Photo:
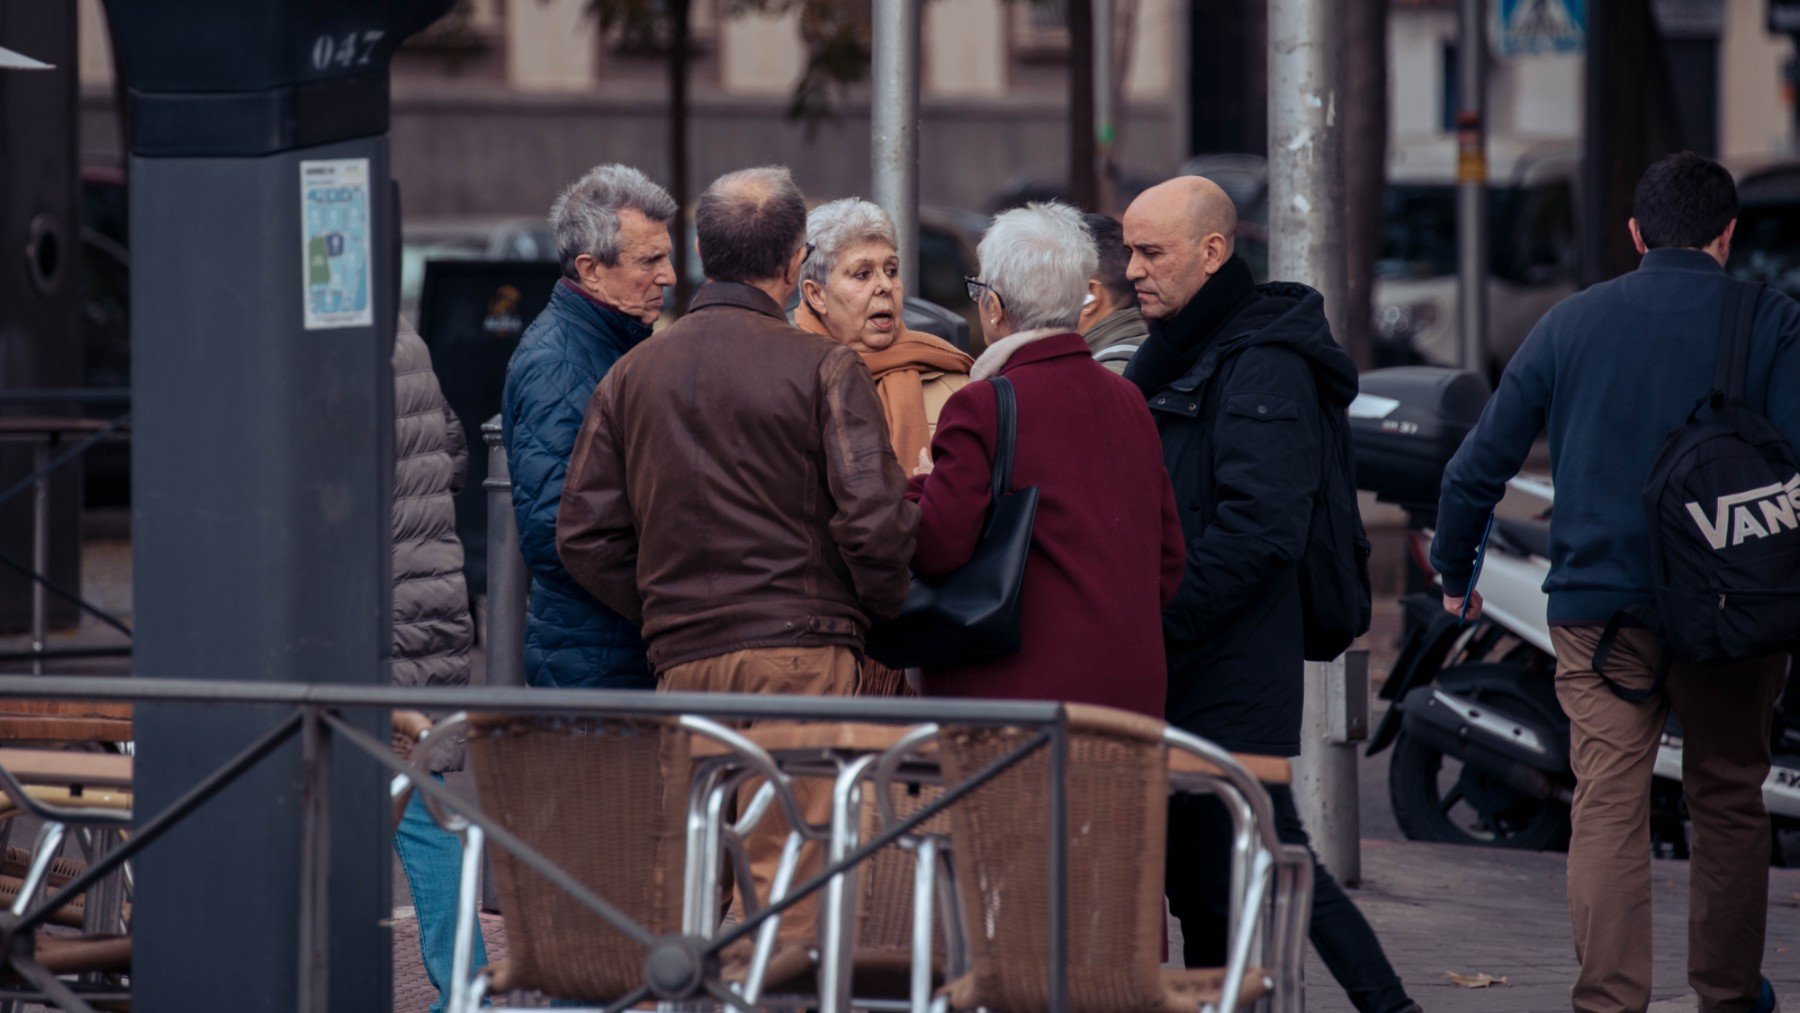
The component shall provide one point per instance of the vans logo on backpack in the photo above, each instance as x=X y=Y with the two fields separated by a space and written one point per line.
x=1754 y=513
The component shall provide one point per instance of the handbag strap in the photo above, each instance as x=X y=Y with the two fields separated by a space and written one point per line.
x=1003 y=443
x=1733 y=362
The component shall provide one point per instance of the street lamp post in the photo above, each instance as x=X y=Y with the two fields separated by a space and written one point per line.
x=894 y=124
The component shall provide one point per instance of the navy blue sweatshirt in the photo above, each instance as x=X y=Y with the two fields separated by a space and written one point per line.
x=1610 y=372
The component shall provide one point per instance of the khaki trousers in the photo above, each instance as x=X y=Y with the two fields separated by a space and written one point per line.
x=801 y=671
x=1725 y=711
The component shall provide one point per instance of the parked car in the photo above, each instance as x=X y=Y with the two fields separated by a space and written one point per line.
x=1766 y=246
x=1532 y=211
x=494 y=237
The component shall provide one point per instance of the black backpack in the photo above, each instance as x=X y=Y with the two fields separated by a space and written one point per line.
x=1334 y=569
x=1723 y=506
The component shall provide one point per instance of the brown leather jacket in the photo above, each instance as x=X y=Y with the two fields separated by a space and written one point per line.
x=732 y=487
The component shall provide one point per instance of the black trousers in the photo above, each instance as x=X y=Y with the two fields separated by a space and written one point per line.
x=1198 y=884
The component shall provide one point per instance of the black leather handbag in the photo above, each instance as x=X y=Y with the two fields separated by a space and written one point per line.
x=971 y=615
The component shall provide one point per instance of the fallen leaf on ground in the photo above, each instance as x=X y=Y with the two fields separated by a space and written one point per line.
x=1477 y=980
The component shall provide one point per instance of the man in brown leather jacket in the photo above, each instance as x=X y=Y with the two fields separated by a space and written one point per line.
x=733 y=489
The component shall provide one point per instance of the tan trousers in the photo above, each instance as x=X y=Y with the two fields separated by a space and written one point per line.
x=1725 y=711
x=801 y=671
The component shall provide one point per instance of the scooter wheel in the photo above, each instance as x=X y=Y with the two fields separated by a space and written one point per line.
x=1436 y=798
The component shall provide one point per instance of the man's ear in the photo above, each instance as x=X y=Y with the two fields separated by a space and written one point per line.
x=814 y=296
x=1215 y=251
x=1637 y=238
x=587 y=271
x=792 y=275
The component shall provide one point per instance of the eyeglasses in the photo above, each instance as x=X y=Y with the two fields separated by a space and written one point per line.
x=810 y=247
x=976 y=285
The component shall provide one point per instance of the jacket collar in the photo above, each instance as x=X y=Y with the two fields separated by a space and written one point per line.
x=1027 y=347
x=737 y=295
x=571 y=299
x=1670 y=258
x=1121 y=326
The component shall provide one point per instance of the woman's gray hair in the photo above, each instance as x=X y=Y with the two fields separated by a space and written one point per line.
x=586 y=216
x=838 y=225
x=1039 y=258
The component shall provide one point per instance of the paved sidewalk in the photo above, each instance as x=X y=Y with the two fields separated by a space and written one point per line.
x=1441 y=908
x=1438 y=908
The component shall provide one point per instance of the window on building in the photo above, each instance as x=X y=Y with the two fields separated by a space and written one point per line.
x=1040 y=29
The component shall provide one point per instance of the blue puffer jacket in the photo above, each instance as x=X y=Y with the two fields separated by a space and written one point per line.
x=571 y=640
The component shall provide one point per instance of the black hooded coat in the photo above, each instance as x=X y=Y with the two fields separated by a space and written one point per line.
x=1238 y=382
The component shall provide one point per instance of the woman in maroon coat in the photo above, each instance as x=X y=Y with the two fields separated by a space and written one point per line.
x=1106 y=548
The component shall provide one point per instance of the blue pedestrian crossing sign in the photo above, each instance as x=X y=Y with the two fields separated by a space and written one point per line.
x=1540 y=26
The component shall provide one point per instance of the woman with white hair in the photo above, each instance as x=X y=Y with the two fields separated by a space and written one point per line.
x=850 y=291
x=1106 y=548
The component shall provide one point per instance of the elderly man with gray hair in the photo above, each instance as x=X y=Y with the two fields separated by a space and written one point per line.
x=733 y=490
x=1106 y=548
x=612 y=238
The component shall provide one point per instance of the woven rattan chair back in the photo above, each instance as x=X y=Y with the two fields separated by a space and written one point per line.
x=885 y=912
x=605 y=800
x=1117 y=795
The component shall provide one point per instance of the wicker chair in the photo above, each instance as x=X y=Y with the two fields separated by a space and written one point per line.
x=1117 y=791
x=618 y=805
x=896 y=949
x=66 y=789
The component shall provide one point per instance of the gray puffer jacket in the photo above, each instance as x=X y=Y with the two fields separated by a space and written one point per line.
x=432 y=629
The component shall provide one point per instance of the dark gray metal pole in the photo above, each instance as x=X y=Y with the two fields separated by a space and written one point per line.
x=894 y=125
x=509 y=585
x=261 y=488
x=1471 y=184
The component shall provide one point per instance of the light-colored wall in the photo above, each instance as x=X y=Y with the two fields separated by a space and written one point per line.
x=1528 y=95
x=963 y=46
x=1415 y=70
x=95 y=47
x=550 y=46
x=1755 y=120
x=760 y=54
x=1155 y=43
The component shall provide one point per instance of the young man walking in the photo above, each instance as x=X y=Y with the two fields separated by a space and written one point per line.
x=1610 y=373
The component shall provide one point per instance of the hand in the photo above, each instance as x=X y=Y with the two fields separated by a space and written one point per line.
x=924 y=465
x=1454 y=605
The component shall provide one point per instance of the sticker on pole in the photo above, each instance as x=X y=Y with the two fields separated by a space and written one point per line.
x=1540 y=26
x=334 y=231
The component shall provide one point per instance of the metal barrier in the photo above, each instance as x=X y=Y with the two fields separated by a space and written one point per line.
x=316 y=720
x=508 y=583
x=45 y=435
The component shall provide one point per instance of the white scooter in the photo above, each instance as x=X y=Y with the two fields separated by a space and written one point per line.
x=1480 y=742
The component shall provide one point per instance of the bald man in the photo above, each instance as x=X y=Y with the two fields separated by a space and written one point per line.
x=1239 y=376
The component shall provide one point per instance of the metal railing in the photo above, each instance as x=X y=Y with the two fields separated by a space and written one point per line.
x=316 y=718
x=45 y=436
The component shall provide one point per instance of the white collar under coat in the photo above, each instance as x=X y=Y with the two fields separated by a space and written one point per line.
x=994 y=359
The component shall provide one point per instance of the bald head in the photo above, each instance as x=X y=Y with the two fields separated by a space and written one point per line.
x=749 y=223
x=1180 y=232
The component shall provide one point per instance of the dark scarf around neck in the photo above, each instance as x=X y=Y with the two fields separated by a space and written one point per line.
x=1224 y=294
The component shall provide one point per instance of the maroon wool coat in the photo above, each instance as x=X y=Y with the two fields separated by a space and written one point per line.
x=1106 y=549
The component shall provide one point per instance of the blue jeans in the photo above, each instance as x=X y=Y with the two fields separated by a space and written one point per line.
x=432 y=859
